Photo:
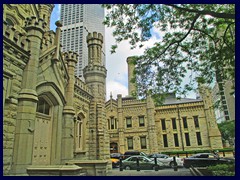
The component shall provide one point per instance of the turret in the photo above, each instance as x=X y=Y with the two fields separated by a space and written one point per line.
x=45 y=11
x=95 y=78
x=95 y=73
x=94 y=41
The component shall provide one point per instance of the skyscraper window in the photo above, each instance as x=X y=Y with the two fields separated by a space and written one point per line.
x=78 y=20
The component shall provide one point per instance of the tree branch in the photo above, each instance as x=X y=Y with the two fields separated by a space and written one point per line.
x=201 y=31
x=178 y=41
x=204 y=12
x=224 y=37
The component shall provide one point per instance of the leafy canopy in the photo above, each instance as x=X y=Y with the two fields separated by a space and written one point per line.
x=227 y=129
x=197 y=42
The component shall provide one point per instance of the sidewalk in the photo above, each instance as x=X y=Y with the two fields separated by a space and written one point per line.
x=163 y=172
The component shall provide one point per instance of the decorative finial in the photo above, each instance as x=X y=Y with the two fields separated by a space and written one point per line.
x=58 y=23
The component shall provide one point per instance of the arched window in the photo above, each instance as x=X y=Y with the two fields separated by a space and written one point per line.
x=9 y=22
x=43 y=106
x=79 y=132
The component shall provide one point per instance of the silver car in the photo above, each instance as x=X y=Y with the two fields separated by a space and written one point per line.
x=167 y=160
x=144 y=163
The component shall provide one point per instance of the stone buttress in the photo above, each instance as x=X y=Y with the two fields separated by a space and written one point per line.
x=214 y=134
x=27 y=99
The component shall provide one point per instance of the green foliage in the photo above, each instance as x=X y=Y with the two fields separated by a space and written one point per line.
x=222 y=170
x=197 y=42
x=227 y=129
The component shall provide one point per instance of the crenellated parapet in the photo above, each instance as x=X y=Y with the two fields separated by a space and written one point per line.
x=193 y=107
x=95 y=38
x=81 y=91
x=79 y=83
x=48 y=40
x=100 y=70
x=133 y=101
x=70 y=56
x=18 y=38
x=45 y=11
x=33 y=23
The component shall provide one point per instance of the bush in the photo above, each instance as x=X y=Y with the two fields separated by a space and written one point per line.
x=222 y=170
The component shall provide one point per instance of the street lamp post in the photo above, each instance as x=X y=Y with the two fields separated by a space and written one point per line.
x=179 y=120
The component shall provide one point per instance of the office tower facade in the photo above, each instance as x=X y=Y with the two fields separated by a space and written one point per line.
x=78 y=20
x=222 y=93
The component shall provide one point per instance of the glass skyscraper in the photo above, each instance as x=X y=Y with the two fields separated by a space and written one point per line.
x=78 y=20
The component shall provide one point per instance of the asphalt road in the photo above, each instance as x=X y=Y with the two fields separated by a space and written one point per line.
x=162 y=172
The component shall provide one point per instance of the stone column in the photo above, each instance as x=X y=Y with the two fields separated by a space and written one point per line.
x=57 y=41
x=68 y=111
x=131 y=86
x=152 y=134
x=215 y=139
x=27 y=99
x=120 y=124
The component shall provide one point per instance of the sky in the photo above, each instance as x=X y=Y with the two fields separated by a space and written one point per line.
x=116 y=65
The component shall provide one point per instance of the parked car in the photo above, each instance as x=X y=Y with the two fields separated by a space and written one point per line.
x=167 y=160
x=116 y=155
x=205 y=159
x=133 y=153
x=115 y=162
x=115 y=159
x=144 y=163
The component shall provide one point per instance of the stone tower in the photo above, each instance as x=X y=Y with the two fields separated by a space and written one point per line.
x=131 y=86
x=152 y=134
x=95 y=78
x=214 y=133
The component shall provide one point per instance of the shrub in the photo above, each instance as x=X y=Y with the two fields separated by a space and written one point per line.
x=222 y=170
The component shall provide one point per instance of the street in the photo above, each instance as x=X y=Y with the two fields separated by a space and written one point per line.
x=162 y=172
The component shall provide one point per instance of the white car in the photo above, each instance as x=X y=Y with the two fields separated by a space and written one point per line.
x=167 y=160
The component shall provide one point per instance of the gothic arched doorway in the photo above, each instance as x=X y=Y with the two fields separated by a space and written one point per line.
x=113 y=147
x=42 y=132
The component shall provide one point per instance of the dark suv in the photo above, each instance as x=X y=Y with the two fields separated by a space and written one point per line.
x=133 y=153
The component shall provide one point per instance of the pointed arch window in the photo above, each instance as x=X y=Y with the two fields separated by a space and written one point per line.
x=9 y=22
x=79 y=133
x=43 y=106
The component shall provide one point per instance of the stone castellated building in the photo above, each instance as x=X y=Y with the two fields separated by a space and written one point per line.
x=186 y=124
x=54 y=123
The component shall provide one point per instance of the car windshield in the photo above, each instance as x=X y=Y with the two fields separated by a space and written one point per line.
x=159 y=156
x=140 y=158
x=143 y=154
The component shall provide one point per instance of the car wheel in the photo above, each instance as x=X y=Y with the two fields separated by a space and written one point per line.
x=127 y=167
x=171 y=164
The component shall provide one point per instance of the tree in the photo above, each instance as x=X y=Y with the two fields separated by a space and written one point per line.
x=198 y=42
x=227 y=129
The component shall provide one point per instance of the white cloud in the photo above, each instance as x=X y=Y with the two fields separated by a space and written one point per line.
x=115 y=88
x=116 y=63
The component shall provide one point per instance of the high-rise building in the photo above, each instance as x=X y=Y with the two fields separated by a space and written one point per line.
x=222 y=93
x=78 y=20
